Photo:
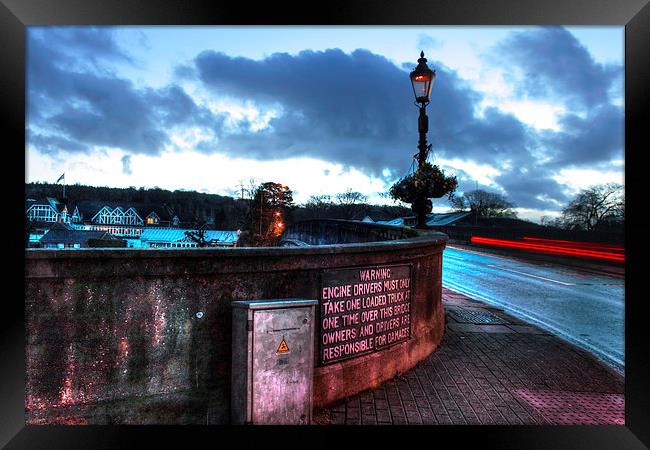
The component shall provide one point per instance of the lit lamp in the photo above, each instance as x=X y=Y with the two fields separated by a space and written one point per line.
x=421 y=80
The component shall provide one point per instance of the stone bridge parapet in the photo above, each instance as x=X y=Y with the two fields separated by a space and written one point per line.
x=111 y=332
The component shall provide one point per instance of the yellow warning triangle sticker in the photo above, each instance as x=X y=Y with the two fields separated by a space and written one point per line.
x=283 y=348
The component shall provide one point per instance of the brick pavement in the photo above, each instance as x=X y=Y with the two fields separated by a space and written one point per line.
x=491 y=368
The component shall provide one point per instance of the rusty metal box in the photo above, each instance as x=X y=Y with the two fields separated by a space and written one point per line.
x=272 y=361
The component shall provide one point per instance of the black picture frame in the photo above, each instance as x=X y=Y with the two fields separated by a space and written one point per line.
x=16 y=15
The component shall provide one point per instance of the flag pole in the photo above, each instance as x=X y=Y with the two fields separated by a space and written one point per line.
x=62 y=177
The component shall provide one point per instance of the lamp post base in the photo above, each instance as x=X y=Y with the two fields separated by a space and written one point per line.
x=421 y=207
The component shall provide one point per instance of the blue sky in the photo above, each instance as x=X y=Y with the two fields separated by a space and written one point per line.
x=533 y=113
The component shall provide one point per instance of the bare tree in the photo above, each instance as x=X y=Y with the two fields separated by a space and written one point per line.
x=351 y=203
x=597 y=207
x=243 y=207
x=247 y=190
x=317 y=205
x=350 y=197
x=483 y=203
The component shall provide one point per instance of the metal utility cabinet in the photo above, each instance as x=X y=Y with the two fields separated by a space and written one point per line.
x=272 y=361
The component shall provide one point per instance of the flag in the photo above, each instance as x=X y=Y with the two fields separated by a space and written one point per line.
x=62 y=177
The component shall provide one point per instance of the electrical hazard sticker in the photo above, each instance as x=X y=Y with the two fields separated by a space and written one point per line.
x=283 y=348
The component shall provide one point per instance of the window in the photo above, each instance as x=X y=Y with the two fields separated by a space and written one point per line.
x=153 y=219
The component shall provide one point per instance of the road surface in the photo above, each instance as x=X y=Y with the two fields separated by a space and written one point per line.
x=583 y=306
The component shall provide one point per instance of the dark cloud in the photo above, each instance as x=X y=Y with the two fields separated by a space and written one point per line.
x=82 y=46
x=93 y=107
x=588 y=140
x=527 y=186
x=52 y=143
x=355 y=109
x=533 y=187
x=555 y=65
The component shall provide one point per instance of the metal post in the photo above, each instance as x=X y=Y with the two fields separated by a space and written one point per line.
x=423 y=128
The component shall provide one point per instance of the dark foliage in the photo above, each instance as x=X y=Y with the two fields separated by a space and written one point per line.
x=430 y=178
x=271 y=204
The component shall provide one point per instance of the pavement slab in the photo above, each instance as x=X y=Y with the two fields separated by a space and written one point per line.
x=503 y=373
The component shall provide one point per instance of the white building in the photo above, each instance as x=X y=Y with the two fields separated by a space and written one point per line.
x=141 y=225
x=177 y=238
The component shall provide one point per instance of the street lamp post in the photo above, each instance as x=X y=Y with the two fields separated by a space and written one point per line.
x=421 y=80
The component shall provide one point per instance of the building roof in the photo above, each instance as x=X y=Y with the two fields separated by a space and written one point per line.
x=63 y=234
x=433 y=220
x=31 y=201
x=395 y=222
x=438 y=220
x=373 y=215
x=178 y=235
x=89 y=208
x=48 y=201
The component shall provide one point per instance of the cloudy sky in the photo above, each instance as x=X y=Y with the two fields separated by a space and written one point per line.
x=533 y=113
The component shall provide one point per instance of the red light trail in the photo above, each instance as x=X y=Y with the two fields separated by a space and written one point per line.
x=575 y=244
x=584 y=249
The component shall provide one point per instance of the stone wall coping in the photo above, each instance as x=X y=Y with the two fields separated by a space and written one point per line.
x=424 y=239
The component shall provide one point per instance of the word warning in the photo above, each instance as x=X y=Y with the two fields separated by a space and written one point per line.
x=363 y=310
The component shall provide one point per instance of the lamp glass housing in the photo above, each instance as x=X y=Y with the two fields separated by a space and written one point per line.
x=422 y=79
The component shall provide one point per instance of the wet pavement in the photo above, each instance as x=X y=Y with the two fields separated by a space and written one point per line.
x=492 y=369
x=581 y=304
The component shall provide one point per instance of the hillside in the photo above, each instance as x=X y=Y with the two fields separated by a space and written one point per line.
x=191 y=206
x=225 y=212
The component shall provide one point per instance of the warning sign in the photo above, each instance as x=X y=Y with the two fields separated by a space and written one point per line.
x=364 y=309
x=283 y=348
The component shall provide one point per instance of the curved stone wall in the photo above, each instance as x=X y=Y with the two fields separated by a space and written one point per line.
x=112 y=332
